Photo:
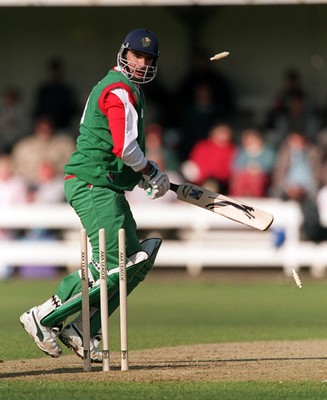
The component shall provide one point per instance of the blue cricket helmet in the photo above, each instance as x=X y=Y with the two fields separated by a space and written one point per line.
x=143 y=41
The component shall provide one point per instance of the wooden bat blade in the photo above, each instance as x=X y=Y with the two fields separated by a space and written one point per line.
x=223 y=205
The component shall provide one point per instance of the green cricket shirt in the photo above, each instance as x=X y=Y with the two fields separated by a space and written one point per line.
x=94 y=160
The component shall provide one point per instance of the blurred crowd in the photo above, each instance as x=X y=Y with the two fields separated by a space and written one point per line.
x=195 y=133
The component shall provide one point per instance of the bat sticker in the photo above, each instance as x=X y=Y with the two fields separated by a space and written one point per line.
x=224 y=203
x=191 y=191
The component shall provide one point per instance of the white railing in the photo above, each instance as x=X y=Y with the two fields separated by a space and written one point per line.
x=203 y=238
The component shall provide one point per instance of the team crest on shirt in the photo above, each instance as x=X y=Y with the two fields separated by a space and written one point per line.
x=146 y=41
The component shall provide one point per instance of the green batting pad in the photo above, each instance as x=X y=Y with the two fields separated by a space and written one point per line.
x=74 y=304
x=151 y=247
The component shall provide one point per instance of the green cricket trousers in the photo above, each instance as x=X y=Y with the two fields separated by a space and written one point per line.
x=98 y=207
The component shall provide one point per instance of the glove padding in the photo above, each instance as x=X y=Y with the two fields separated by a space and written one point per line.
x=156 y=183
x=143 y=185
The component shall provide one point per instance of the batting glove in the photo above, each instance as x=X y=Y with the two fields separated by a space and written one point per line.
x=156 y=183
x=143 y=185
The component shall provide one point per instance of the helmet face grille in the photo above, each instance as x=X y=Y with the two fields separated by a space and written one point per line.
x=143 y=41
x=149 y=72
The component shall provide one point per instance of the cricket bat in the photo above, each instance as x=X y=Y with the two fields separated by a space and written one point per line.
x=223 y=205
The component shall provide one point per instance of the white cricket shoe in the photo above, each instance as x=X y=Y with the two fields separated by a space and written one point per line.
x=72 y=337
x=44 y=337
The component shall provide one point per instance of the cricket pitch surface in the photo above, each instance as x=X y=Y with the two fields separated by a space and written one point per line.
x=278 y=361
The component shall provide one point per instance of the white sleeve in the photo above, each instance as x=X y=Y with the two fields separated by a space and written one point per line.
x=131 y=155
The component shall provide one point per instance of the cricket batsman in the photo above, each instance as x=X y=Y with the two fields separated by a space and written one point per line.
x=109 y=159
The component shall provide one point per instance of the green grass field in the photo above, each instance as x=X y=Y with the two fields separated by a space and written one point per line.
x=178 y=311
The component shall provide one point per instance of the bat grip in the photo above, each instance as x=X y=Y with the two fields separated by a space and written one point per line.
x=174 y=187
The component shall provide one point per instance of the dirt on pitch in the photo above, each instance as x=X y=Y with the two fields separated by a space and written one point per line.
x=258 y=361
x=278 y=361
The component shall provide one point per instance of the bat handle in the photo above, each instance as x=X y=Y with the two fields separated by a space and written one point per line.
x=174 y=187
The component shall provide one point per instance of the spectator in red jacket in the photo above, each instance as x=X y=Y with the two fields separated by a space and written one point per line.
x=211 y=159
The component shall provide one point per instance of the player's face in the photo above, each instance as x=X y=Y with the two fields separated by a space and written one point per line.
x=138 y=63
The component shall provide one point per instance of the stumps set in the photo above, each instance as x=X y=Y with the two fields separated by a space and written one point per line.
x=104 y=300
